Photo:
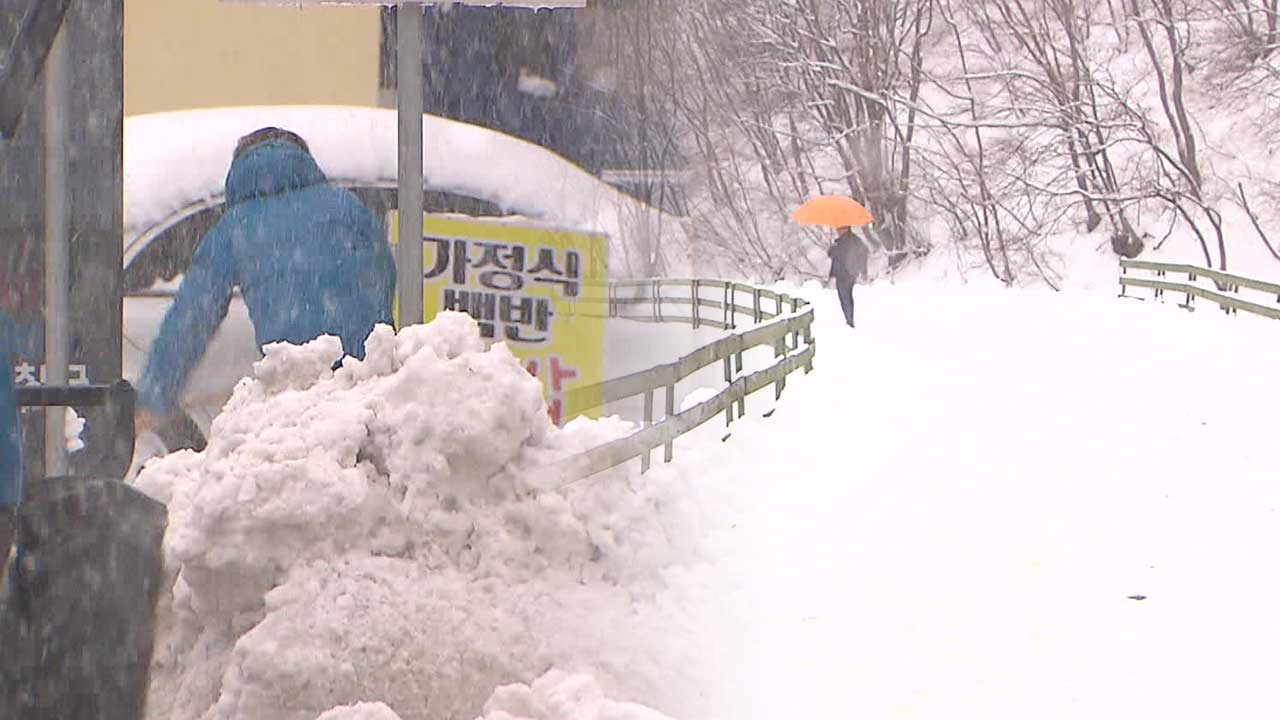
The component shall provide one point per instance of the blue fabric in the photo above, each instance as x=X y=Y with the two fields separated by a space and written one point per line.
x=10 y=443
x=16 y=339
x=310 y=259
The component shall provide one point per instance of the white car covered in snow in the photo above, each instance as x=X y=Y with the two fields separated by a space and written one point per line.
x=175 y=165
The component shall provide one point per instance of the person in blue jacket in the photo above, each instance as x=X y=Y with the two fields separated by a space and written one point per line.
x=10 y=462
x=16 y=338
x=309 y=258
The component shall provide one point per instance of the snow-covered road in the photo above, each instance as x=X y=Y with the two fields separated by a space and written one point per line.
x=957 y=513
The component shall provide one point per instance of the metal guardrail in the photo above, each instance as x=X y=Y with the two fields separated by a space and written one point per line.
x=1224 y=283
x=778 y=320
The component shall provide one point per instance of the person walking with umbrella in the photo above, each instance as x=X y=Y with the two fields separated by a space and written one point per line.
x=848 y=253
x=848 y=264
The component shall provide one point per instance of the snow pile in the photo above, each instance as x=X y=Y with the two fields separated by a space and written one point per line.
x=557 y=695
x=374 y=534
x=72 y=428
x=697 y=397
x=360 y=711
x=562 y=696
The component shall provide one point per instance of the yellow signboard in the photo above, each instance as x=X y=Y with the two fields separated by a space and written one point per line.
x=521 y=283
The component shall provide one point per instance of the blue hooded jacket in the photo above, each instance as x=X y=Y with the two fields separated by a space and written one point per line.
x=310 y=259
x=10 y=443
x=15 y=338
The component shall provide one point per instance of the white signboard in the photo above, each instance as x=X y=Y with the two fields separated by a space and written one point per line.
x=488 y=3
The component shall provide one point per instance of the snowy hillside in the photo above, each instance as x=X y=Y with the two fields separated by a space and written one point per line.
x=995 y=136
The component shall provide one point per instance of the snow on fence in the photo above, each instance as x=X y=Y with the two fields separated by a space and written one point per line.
x=1223 y=282
x=777 y=320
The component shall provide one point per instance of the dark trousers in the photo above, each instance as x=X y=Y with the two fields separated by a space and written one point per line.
x=844 y=290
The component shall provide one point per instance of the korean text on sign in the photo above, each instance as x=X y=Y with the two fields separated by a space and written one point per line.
x=522 y=283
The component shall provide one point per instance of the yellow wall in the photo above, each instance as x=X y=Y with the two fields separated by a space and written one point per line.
x=186 y=54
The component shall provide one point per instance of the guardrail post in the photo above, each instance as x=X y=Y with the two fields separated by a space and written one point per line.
x=657 y=300
x=795 y=334
x=730 y=299
x=648 y=420
x=671 y=411
x=808 y=341
x=694 y=293
x=611 y=293
x=780 y=350
x=742 y=401
x=755 y=304
x=728 y=378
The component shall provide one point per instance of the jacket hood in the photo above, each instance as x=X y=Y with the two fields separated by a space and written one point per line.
x=271 y=168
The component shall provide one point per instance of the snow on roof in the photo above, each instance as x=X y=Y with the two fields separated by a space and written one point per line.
x=175 y=160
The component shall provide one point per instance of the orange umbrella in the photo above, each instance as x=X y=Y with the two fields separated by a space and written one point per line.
x=835 y=211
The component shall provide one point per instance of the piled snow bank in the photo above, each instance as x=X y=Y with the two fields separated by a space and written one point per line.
x=562 y=696
x=557 y=695
x=361 y=711
x=373 y=534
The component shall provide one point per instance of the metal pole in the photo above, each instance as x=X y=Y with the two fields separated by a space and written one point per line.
x=648 y=420
x=671 y=411
x=57 y=249
x=409 y=91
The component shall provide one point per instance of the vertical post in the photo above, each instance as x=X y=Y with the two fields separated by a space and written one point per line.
x=730 y=298
x=780 y=350
x=755 y=304
x=409 y=91
x=648 y=421
x=795 y=334
x=57 y=248
x=728 y=378
x=694 y=297
x=671 y=411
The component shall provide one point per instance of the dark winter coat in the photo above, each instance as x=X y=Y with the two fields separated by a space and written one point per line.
x=308 y=257
x=848 y=257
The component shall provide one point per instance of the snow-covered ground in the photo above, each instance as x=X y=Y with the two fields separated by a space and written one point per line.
x=1009 y=504
x=984 y=502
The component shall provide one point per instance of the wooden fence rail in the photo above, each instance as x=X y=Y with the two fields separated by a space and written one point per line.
x=778 y=321
x=1224 y=283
